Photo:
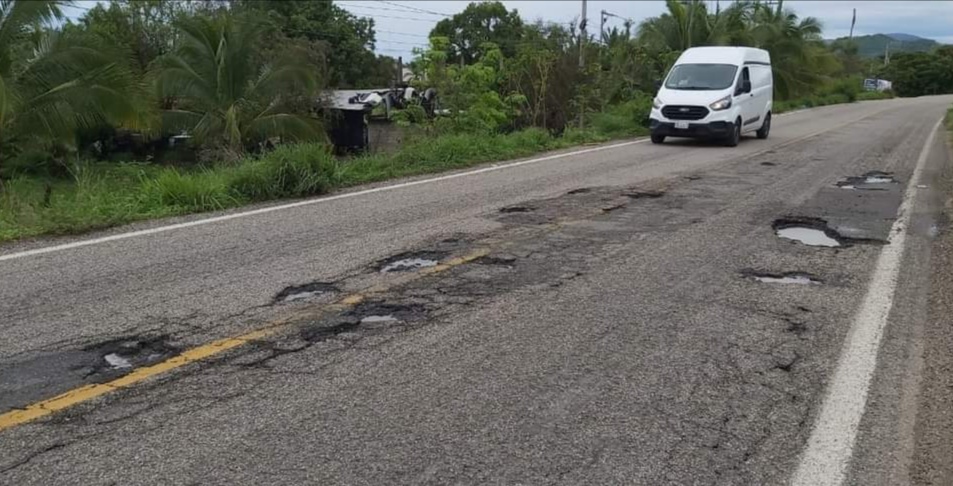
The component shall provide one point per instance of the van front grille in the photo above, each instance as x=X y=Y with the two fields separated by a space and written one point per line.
x=680 y=112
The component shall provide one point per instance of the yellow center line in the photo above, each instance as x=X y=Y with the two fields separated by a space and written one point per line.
x=199 y=353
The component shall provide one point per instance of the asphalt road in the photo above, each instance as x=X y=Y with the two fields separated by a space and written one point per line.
x=614 y=333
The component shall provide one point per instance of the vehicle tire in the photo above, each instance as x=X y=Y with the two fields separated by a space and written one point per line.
x=735 y=137
x=657 y=139
x=765 y=127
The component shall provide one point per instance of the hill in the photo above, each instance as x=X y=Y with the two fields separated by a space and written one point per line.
x=874 y=45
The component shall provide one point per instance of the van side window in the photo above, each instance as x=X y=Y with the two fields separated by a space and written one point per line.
x=745 y=76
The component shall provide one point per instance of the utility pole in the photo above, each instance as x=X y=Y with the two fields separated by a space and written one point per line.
x=400 y=71
x=605 y=18
x=853 y=21
x=582 y=37
x=602 y=26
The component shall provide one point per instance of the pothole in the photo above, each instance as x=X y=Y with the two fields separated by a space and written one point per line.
x=378 y=319
x=306 y=291
x=581 y=190
x=127 y=353
x=808 y=231
x=874 y=180
x=795 y=278
x=318 y=334
x=516 y=209
x=117 y=361
x=381 y=312
x=407 y=262
x=768 y=164
x=609 y=209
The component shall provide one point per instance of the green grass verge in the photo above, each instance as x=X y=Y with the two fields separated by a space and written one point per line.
x=949 y=120
x=101 y=195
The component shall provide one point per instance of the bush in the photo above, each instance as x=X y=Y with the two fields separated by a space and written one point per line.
x=288 y=171
x=205 y=190
x=627 y=119
x=846 y=88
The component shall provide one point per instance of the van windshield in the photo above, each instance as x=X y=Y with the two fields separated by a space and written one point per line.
x=701 y=76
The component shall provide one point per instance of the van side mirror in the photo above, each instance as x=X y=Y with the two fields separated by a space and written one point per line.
x=658 y=85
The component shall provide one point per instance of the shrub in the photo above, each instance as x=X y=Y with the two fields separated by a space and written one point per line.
x=204 y=190
x=627 y=119
x=288 y=171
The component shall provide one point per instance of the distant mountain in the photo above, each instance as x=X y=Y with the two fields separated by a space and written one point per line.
x=906 y=37
x=874 y=45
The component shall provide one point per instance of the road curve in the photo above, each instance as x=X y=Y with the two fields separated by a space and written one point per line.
x=615 y=331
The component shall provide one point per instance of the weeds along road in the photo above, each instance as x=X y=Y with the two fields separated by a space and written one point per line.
x=603 y=317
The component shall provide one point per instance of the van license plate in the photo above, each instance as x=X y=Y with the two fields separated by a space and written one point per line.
x=681 y=125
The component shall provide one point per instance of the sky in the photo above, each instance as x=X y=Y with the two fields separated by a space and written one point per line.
x=398 y=36
x=403 y=25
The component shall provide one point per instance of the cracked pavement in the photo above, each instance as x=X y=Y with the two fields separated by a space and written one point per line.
x=612 y=332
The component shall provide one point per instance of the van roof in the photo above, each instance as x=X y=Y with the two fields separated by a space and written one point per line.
x=724 y=55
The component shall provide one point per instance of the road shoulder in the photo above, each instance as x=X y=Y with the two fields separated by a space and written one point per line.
x=934 y=426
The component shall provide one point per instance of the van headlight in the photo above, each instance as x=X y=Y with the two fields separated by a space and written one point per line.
x=656 y=103
x=722 y=104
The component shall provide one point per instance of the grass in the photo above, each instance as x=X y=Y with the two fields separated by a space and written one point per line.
x=826 y=99
x=949 y=120
x=101 y=195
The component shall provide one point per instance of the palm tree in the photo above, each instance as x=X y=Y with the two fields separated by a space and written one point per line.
x=223 y=94
x=798 y=56
x=686 y=24
x=53 y=84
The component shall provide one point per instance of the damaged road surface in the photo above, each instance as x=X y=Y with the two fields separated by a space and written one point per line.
x=635 y=314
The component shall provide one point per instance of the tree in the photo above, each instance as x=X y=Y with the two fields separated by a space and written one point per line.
x=685 y=25
x=54 y=83
x=478 y=24
x=799 y=59
x=142 y=26
x=223 y=94
x=349 y=39
x=920 y=73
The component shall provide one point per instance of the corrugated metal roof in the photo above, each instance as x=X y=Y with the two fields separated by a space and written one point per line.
x=339 y=99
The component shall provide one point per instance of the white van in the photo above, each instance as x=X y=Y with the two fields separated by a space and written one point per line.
x=715 y=92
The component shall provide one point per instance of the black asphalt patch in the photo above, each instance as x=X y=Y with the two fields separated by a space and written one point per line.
x=49 y=374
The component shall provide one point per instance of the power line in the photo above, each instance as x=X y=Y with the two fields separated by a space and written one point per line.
x=417 y=9
x=401 y=33
x=390 y=16
x=418 y=44
x=385 y=8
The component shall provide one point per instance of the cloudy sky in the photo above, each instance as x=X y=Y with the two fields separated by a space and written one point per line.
x=404 y=24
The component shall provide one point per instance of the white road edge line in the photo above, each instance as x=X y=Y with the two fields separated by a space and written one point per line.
x=308 y=202
x=829 y=449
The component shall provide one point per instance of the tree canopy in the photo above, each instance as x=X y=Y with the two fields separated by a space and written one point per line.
x=479 y=23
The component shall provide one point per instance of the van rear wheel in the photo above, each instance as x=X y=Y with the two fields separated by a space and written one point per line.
x=765 y=127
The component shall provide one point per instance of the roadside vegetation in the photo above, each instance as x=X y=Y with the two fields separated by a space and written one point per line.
x=89 y=107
